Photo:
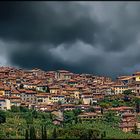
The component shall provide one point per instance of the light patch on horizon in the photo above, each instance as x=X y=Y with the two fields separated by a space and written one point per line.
x=74 y=53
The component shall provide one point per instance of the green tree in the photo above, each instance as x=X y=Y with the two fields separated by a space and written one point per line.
x=93 y=134
x=54 y=134
x=115 y=103
x=32 y=132
x=26 y=134
x=102 y=110
x=103 y=135
x=84 y=135
x=2 y=134
x=80 y=102
x=69 y=116
x=76 y=120
x=44 y=132
x=137 y=104
x=77 y=112
x=91 y=109
x=104 y=105
x=2 y=117
x=127 y=92
x=109 y=116
x=21 y=86
x=90 y=134
x=135 y=129
x=34 y=114
x=59 y=102
x=15 y=108
x=91 y=102
x=29 y=119
x=48 y=89
x=23 y=109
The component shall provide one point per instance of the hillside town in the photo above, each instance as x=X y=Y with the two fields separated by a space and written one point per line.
x=61 y=90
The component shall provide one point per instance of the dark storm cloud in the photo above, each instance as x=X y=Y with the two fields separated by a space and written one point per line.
x=89 y=37
x=45 y=22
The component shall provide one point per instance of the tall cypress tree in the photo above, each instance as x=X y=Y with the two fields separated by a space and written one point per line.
x=42 y=132
x=54 y=134
x=137 y=107
x=26 y=134
x=2 y=117
x=102 y=110
x=32 y=133
x=45 y=132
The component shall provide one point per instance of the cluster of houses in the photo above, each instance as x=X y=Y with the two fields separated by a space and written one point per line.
x=64 y=90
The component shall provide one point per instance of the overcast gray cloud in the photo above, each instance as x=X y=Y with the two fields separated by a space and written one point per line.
x=85 y=37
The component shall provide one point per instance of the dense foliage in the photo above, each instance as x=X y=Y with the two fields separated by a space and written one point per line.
x=22 y=123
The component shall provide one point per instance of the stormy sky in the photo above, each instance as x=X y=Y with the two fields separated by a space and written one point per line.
x=101 y=38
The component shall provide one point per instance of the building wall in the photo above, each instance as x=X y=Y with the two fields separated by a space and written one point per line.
x=28 y=98
x=120 y=90
x=87 y=100
x=6 y=104
x=55 y=91
x=44 y=100
x=137 y=78
x=2 y=92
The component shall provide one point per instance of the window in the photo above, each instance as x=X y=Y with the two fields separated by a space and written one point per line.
x=40 y=100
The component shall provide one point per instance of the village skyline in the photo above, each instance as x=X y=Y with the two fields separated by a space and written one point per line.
x=70 y=98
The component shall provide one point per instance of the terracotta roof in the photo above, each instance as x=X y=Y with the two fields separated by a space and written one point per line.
x=80 y=86
x=54 y=87
x=63 y=71
x=97 y=94
x=120 y=108
x=42 y=95
x=89 y=114
x=128 y=114
x=71 y=89
x=42 y=84
x=72 y=80
x=137 y=73
x=87 y=96
x=69 y=105
x=7 y=88
x=120 y=86
x=2 y=99
x=126 y=125
x=87 y=93
x=1 y=86
x=83 y=105
x=57 y=95
x=14 y=97
x=15 y=91
x=15 y=100
x=30 y=92
x=21 y=90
